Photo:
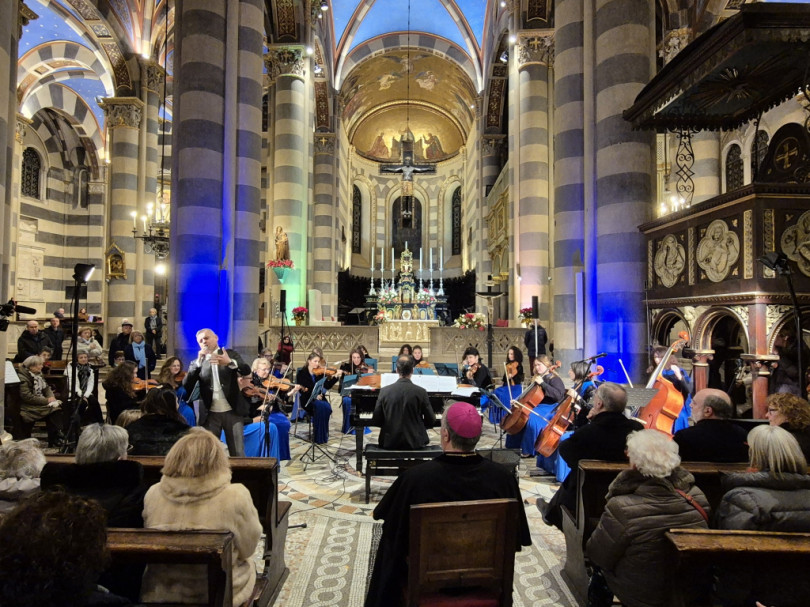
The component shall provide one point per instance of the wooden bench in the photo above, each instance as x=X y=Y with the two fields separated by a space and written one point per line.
x=740 y=551
x=210 y=548
x=260 y=476
x=593 y=479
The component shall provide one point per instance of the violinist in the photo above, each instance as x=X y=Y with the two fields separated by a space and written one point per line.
x=172 y=375
x=356 y=365
x=268 y=401
x=553 y=392
x=682 y=382
x=579 y=374
x=319 y=408
x=119 y=391
x=405 y=350
x=419 y=361
x=514 y=367
x=474 y=372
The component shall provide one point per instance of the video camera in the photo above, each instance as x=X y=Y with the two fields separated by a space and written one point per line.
x=7 y=309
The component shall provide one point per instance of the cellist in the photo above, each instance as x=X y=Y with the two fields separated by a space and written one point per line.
x=682 y=382
x=553 y=390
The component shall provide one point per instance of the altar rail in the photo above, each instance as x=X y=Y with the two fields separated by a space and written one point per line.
x=446 y=344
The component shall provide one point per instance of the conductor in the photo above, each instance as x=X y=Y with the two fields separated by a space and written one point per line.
x=403 y=411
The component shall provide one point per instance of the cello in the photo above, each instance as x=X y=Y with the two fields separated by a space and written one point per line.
x=663 y=409
x=524 y=405
x=550 y=437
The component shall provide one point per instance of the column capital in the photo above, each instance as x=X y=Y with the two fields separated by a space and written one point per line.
x=535 y=47
x=673 y=43
x=761 y=364
x=324 y=143
x=24 y=17
x=123 y=111
x=152 y=75
x=19 y=127
x=701 y=358
x=285 y=60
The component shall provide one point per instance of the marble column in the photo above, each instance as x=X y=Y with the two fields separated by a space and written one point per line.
x=289 y=193
x=700 y=369
x=214 y=270
x=624 y=172
x=325 y=241
x=569 y=196
x=706 y=150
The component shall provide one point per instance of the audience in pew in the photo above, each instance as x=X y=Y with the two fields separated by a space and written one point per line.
x=160 y=426
x=88 y=344
x=21 y=463
x=774 y=496
x=56 y=546
x=119 y=390
x=127 y=416
x=713 y=438
x=37 y=401
x=792 y=413
x=458 y=474
x=195 y=492
x=85 y=382
x=102 y=473
x=142 y=354
x=629 y=546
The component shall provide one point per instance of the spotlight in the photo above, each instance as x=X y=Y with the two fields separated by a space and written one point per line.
x=83 y=271
x=776 y=262
x=324 y=5
x=160 y=269
x=512 y=38
x=310 y=51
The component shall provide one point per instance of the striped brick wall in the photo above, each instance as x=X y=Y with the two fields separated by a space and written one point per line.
x=706 y=149
x=326 y=238
x=569 y=207
x=216 y=172
x=624 y=42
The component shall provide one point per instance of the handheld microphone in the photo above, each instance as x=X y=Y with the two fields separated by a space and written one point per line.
x=600 y=355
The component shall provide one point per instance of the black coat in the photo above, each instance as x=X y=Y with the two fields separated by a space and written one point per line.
x=56 y=337
x=119 y=344
x=151 y=359
x=403 y=412
x=528 y=341
x=31 y=345
x=713 y=440
x=117 y=486
x=117 y=401
x=154 y=434
x=304 y=379
x=201 y=374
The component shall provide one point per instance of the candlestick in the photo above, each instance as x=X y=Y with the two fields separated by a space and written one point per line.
x=134 y=220
x=406 y=245
x=372 y=263
x=420 y=259
x=392 y=259
x=441 y=257
x=431 y=260
x=382 y=261
x=143 y=217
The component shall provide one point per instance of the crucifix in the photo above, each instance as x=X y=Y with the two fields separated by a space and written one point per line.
x=407 y=168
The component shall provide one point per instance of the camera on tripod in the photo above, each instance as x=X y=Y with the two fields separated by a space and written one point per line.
x=8 y=309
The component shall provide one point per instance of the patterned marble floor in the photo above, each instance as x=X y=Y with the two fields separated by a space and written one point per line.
x=329 y=559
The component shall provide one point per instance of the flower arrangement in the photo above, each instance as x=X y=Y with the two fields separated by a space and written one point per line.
x=471 y=321
x=424 y=297
x=300 y=313
x=526 y=314
x=379 y=318
x=280 y=263
x=388 y=296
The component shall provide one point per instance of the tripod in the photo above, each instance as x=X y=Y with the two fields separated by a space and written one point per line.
x=310 y=455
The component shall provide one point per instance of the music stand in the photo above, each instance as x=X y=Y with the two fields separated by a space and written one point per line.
x=637 y=398
x=310 y=456
x=494 y=400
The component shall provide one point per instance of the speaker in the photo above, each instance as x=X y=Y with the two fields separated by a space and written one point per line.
x=283 y=301
x=535 y=306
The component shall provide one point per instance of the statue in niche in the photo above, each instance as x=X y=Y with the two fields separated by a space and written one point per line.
x=670 y=260
x=282 y=244
x=718 y=250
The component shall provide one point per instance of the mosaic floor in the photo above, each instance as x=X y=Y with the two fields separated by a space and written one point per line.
x=329 y=559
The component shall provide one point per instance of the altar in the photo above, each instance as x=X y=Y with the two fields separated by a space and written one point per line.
x=406 y=331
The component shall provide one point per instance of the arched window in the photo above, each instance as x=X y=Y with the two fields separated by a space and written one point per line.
x=734 y=168
x=456 y=217
x=357 y=220
x=31 y=168
x=759 y=147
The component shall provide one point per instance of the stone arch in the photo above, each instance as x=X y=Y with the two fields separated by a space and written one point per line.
x=445 y=212
x=786 y=321
x=369 y=213
x=668 y=322
x=708 y=321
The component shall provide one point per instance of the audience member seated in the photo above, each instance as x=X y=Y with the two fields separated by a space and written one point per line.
x=459 y=474
x=629 y=546
x=102 y=473
x=56 y=335
x=54 y=550
x=319 y=408
x=142 y=354
x=774 y=496
x=127 y=416
x=21 y=463
x=87 y=343
x=792 y=413
x=85 y=381
x=31 y=341
x=713 y=438
x=120 y=342
x=195 y=492
x=160 y=426
x=37 y=401
x=603 y=438
x=403 y=411
x=119 y=390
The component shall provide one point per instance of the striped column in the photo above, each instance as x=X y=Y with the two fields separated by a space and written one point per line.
x=325 y=241
x=623 y=64
x=534 y=54
x=569 y=195
x=216 y=140
x=123 y=119
x=706 y=148
x=289 y=194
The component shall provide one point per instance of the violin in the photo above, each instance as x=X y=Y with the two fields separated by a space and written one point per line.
x=373 y=379
x=422 y=364
x=524 y=405
x=471 y=370
x=180 y=377
x=252 y=391
x=275 y=383
x=328 y=371
x=665 y=407
x=139 y=384
x=512 y=369
x=550 y=437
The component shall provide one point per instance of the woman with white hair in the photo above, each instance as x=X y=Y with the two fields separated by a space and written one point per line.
x=87 y=343
x=643 y=503
x=20 y=465
x=195 y=492
x=103 y=473
x=37 y=401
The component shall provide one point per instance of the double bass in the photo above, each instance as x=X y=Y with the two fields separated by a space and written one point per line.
x=524 y=405
x=550 y=437
x=665 y=407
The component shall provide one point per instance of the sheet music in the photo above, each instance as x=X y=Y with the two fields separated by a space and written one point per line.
x=466 y=391
x=11 y=373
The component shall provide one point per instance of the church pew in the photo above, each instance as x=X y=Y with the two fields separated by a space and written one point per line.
x=740 y=552
x=210 y=548
x=593 y=479
x=260 y=476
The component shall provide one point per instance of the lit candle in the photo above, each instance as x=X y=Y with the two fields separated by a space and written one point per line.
x=420 y=259
x=134 y=220
x=392 y=259
x=406 y=245
x=441 y=257
x=143 y=217
x=382 y=260
x=430 y=266
x=372 y=258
